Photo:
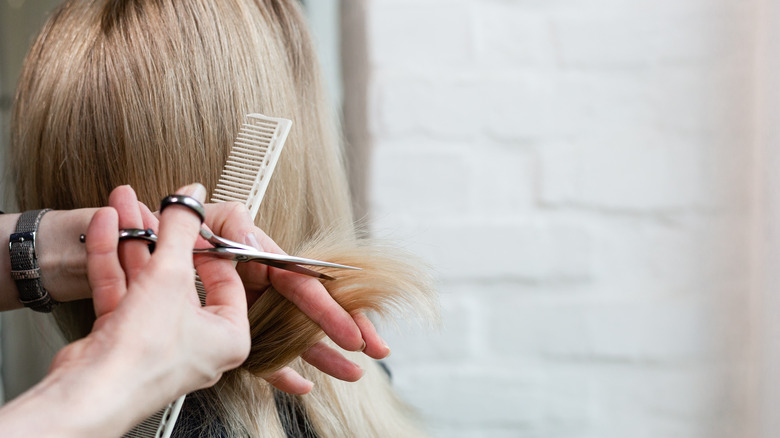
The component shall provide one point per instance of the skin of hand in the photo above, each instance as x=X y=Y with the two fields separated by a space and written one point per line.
x=232 y=221
x=152 y=341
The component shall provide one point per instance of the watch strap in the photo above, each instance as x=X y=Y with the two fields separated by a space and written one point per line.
x=24 y=263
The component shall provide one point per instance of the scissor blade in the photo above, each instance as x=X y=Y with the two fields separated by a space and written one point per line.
x=295 y=268
x=240 y=256
x=283 y=258
x=253 y=255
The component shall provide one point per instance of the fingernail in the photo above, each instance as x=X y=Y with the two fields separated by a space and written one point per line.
x=363 y=347
x=251 y=240
x=362 y=371
x=195 y=190
x=308 y=383
x=385 y=346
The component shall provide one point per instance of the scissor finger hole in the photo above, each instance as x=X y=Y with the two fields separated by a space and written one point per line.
x=146 y=235
x=185 y=201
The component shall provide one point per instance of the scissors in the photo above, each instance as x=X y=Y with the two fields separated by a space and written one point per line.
x=227 y=249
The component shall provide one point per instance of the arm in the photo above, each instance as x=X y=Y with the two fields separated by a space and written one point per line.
x=63 y=271
x=61 y=257
x=75 y=402
x=152 y=340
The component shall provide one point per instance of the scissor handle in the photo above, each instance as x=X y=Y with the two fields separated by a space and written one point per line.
x=146 y=235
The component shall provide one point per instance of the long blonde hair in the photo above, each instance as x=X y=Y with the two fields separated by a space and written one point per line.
x=152 y=93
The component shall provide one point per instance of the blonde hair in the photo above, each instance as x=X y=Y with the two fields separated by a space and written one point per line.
x=152 y=94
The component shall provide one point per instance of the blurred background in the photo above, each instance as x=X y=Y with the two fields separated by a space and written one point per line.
x=593 y=183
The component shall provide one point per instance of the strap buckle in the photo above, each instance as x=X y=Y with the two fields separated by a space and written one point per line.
x=28 y=236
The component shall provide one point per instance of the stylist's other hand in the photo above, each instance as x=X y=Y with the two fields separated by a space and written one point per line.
x=350 y=332
x=150 y=328
x=233 y=221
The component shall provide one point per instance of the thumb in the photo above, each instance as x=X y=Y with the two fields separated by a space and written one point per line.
x=179 y=226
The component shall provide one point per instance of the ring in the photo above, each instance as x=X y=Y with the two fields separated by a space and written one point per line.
x=138 y=234
x=146 y=235
x=184 y=201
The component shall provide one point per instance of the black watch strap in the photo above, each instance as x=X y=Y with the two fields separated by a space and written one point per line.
x=24 y=263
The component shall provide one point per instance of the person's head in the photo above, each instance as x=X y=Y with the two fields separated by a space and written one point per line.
x=152 y=94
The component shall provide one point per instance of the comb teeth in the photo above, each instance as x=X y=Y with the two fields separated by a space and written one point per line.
x=252 y=161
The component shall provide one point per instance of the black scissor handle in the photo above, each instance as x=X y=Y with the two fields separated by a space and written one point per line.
x=146 y=235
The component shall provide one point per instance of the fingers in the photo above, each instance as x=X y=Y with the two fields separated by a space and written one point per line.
x=149 y=219
x=289 y=381
x=354 y=334
x=179 y=227
x=105 y=274
x=133 y=254
x=222 y=284
x=314 y=300
x=333 y=363
x=375 y=345
x=229 y=219
x=233 y=222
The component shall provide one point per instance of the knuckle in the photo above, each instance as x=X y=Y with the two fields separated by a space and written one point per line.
x=236 y=207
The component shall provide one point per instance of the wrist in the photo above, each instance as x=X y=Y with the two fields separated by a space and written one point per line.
x=77 y=402
x=61 y=257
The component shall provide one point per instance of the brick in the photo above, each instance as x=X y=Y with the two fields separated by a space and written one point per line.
x=647 y=257
x=509 y=36
x=404 y=105
x=524 y=328
x=638 y=177
x=500 y=251
x=605 y=41
x=419 y=34
x=658 y=331
x=474 y=396
x=462 y=106
x=482 y=431
x=418 y=178
x=504 y=183
x=640 y=331
x=671 y=105
x=516 y=107
x=667 y=402
x=643 y=37
x=528 y=397
x=585 y=100
x=455 y=341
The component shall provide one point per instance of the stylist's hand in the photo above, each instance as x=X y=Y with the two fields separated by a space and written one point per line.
x=350 y=332
x=148 y=313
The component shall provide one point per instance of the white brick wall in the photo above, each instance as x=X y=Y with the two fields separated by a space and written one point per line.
x=579 y=174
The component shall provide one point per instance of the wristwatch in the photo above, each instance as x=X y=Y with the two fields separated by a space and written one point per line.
x=24 y=263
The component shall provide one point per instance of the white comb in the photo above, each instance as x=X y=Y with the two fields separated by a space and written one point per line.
x=252 y=161
x=244 y=179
